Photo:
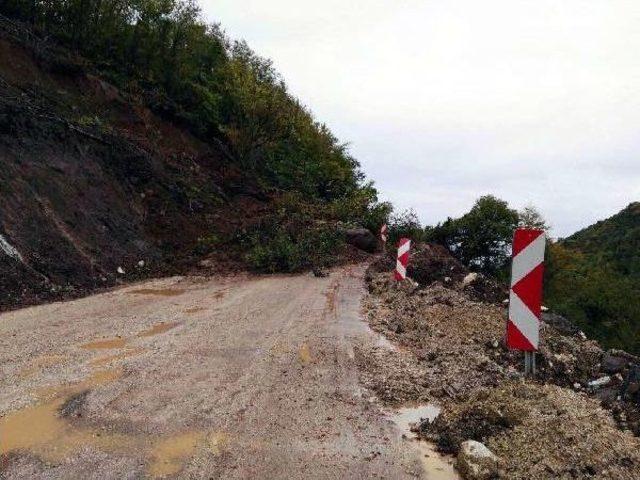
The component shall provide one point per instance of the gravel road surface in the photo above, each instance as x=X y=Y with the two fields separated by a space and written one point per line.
x=238 y=377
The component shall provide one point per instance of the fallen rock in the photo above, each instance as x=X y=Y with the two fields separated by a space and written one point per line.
x=362 y=239
x=612 y=363
x=600 y=382
x=431 y=262
x=560 y=323
x=482 y=288
x=469 y=279
x=631 y=386
x=476 y=462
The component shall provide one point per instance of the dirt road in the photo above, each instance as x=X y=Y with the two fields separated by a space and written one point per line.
x=196 y=378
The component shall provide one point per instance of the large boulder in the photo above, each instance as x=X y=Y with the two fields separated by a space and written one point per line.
x=362 y=239
x=476 y=462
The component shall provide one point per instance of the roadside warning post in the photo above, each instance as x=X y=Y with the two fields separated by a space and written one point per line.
x=403 y=259
x=525 y=295
x=383 y=235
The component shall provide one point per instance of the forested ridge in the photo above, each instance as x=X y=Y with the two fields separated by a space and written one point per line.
x=592 y=277
x=191 y=72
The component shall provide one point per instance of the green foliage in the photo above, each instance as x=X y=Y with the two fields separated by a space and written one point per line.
x=190 y=72
x=280 y=245
x=592 y=278
x=303 y=235
x=405 y=224
x=530 y=217
x=605 y=304
x=221 y=90
x=615 y=241
x=481 y=239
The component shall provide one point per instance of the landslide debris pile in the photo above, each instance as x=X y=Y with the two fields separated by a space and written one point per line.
x=579 y=415
x=539 y=431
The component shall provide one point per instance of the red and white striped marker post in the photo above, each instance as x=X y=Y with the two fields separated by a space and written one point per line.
x=525 y=296
x=403 y=259
x=383 y=235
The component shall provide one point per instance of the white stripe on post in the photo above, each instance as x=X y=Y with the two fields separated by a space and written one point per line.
x=403 y=259
x=525 y=295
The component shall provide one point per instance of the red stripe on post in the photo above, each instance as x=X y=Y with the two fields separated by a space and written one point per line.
x=522 y=238
x=404 y=245
x=527 y=269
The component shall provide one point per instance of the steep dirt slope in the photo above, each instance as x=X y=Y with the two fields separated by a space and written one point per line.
x=92 y=182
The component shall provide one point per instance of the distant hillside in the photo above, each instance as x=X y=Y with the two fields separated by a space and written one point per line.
x=592 y=277
x=614 y=241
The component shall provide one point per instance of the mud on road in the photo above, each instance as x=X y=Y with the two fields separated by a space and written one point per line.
x=197 y=378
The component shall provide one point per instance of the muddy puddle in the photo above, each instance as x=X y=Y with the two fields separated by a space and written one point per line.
x=43 y=430
x=304 y=354
x=114 y=358
x=158 y=329
x=435 y=465
x=53 y=430
x=112 y=343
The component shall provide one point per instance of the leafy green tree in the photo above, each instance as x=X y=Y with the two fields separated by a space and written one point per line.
x=481 y=239
x=405 y=224
x=531 y=217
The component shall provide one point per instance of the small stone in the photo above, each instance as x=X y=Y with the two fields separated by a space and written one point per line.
x=141 y=263
x=120 y=270
x=476 y=462
x=600 y=382
x=469 y=279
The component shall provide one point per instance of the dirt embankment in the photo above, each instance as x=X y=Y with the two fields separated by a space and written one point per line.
x=95 y=189
x=576 y=419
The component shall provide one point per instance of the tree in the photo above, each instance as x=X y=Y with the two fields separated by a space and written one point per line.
x=405 y=224
x=481 y=239
x=530 y=217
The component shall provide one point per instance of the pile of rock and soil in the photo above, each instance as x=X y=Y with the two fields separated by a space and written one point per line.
x=578 y=418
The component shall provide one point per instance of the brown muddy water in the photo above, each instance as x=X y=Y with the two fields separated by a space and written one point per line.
x=436 y=466
x=105 y=344
x=158 y=329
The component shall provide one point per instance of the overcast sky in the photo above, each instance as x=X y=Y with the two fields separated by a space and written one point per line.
x=537 y=102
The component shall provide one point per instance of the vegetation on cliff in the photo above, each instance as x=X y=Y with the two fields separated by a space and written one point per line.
x=161 y=54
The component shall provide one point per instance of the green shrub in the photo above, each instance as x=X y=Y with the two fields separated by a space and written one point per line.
x=292 y=248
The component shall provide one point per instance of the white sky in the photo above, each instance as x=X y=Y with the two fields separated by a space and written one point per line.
x=443 y=101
